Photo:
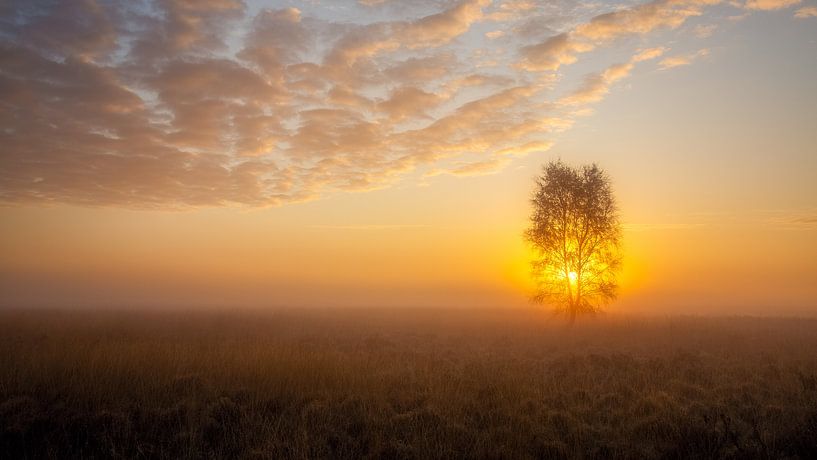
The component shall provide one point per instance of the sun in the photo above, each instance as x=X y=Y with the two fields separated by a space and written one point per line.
x=571 y=277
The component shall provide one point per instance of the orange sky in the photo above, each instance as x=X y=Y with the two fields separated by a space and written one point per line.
x=381 y=155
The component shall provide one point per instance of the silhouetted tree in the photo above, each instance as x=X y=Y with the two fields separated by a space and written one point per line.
x=576 y=234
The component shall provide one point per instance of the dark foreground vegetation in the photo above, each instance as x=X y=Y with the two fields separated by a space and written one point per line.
x=404 y=384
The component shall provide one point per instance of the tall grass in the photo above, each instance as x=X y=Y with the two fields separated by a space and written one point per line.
x=403 y=384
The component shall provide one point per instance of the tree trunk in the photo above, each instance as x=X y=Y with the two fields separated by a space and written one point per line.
x=571 y=315
x=578 y=291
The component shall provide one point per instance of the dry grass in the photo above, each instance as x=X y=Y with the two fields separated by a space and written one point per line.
x=403 y=384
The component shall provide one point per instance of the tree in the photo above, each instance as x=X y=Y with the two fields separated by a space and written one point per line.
x=576 y=234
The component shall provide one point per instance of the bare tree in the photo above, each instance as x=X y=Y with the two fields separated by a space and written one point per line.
x=576 y=234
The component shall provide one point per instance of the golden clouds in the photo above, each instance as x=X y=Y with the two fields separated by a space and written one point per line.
x=767 y=5
x=189 y=103
x=439 y=29
x=276 y=38
x=682 y=60
x=650 y=53
x=596 y=86
x=409 y=102
x=641 y=19
x=552 y=53
x=806 y=12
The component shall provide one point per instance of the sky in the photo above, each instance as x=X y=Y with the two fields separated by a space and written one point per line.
x=229 y=153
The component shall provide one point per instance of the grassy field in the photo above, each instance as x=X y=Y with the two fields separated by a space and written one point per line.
x=404 y=384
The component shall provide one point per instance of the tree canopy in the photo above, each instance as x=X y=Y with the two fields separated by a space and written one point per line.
x=576 y=234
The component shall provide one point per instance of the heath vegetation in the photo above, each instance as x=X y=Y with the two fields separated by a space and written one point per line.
x=403 y=384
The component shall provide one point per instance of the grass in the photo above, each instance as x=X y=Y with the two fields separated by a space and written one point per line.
x=403 y=384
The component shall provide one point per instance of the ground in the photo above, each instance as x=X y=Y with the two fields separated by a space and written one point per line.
x=404 y=383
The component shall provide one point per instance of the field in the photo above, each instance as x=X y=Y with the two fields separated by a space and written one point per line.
x=404 y=384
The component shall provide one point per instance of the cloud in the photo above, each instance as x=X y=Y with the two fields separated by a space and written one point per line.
x=370 y=227
x=409 y=102
x=493 y=164
x=83 y=29
x=634 y=227
x=429 y=31
x=806 y=12
x=564 y=48
x=276 y=38
x=641 y=19
x=649 y=53
x=768 y=5
x=510 y=10
x=596 y=86
x=739 y=17
x=172 y=104
x=362 y=42
x=794 y=220
x=439 y=29
x=422 y=69
x=681 y=60
x=175 y=26
x=344 y=96
x=477 y=168
x=527 y=148
x=552 y=53
x=805 y=220
x=477 y=126
x=704 y=30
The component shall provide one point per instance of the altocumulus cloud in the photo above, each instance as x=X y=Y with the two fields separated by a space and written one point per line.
x=180 y=103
